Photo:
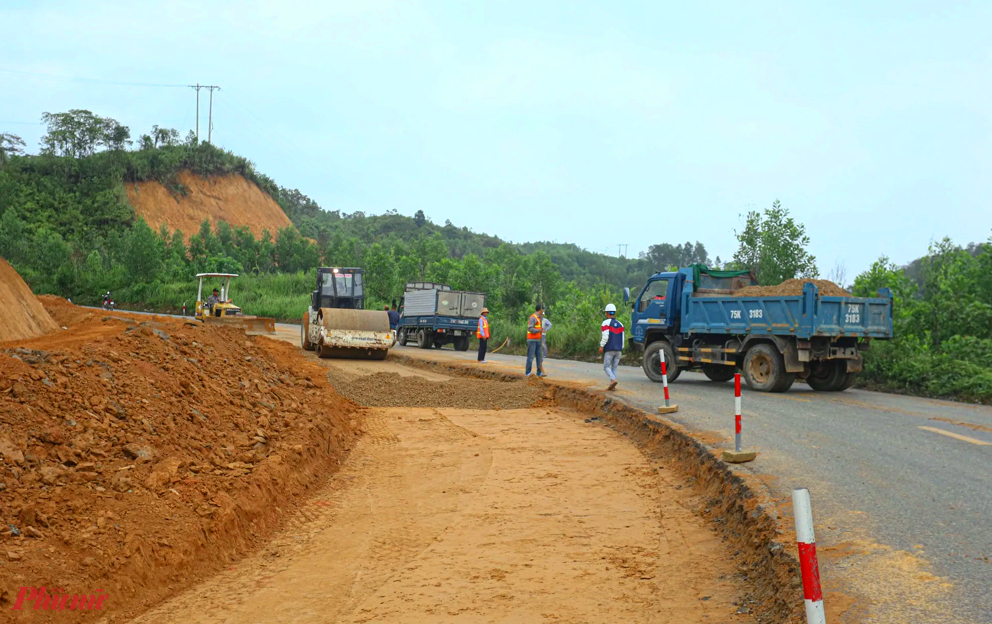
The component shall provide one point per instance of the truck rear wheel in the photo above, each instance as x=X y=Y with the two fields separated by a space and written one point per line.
x=305 y=334
x=719 y=373
x=652 y=362
x=764 y=370
x=461 y=343
x=424 y=339
x=848 y=381
x=827 y=376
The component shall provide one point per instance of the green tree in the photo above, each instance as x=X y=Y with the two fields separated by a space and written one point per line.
x=773 y=246
x=79 y=133
x=289 y=250
x=144 y=253
x=380 y=275
x=164 y=136
x=544 y=277
x=419 y=218
x=10 y=145
x=427 y=251
x=115 y=135
x=13 y=235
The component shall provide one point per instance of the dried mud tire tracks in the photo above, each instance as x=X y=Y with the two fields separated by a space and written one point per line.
x=740 y=505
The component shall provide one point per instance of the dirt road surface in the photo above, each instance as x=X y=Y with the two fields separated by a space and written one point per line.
x=453 y=515
x=900 y=484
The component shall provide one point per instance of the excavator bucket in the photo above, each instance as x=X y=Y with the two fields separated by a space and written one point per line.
x=349 y=333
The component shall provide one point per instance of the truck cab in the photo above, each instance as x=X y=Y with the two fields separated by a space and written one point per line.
x=654 y=311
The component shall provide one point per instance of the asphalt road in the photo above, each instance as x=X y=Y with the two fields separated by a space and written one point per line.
x=900 y=485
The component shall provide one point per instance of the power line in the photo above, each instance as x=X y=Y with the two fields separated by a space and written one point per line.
x=22 y=74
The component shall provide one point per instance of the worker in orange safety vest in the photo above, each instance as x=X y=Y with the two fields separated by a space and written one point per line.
x=482 y=333
x=535 y=327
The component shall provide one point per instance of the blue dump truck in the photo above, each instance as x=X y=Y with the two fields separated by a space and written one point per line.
x=433 y=315
x=713 y=321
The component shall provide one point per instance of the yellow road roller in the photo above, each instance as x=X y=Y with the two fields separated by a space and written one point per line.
x=337 y=324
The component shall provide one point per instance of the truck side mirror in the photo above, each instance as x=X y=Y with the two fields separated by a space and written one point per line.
x=626 y=295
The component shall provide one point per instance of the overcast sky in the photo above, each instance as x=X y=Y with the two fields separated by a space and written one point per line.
x=591 y=123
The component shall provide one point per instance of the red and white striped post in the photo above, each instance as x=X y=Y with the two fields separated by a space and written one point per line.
x=664 y=376
x=738 y=455
x=184 y=308
x=668 y=408
x=737 y=412
x=810 y=569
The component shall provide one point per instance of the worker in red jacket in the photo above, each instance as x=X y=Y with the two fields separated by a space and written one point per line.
x=611 y=343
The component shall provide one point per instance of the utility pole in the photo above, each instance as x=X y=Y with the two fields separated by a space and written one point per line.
x=198 y=87
x=210 y=122
x=622 y=254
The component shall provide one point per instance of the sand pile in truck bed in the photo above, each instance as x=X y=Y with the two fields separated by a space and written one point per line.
x=139 y=454
x=792 y=287
x=21 y=315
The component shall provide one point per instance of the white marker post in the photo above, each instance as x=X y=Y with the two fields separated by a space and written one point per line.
x=668 y=408
x=738 y=455
x=810 y=569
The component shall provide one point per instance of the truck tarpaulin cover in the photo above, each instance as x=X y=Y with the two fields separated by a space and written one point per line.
x=698 y=269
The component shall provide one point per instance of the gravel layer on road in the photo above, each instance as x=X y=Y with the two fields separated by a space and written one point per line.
x=393 y=390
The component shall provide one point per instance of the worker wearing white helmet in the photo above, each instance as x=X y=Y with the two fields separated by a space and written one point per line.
x=611 y=344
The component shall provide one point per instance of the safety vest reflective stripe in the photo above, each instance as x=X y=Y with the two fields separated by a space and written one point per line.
x=534 y=334
x=483 y=331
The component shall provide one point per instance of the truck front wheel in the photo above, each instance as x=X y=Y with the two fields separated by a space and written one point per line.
x=652 y=362
x=764 y=370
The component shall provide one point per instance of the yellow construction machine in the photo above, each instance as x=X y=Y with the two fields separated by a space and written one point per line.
x=336 y=323
x=222 y=311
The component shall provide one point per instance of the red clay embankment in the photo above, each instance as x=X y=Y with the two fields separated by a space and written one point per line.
x=223 y=198
x=21 y=315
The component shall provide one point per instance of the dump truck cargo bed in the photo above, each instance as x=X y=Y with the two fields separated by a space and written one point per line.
x=804 y=316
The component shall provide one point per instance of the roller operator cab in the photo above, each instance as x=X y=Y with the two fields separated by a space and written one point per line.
x=696 y=319
x=337 y=324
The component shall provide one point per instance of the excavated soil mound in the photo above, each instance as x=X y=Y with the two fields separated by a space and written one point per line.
x=227 y=198
x=65 y=313
x=393 y=390
x=21 y=315
x=139 y=454
x=792 y=287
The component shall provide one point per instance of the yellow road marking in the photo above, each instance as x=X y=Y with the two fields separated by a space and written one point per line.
x=791 y=398
x=956 y=436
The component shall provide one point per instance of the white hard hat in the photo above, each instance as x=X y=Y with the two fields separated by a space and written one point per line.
x=610 y=308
